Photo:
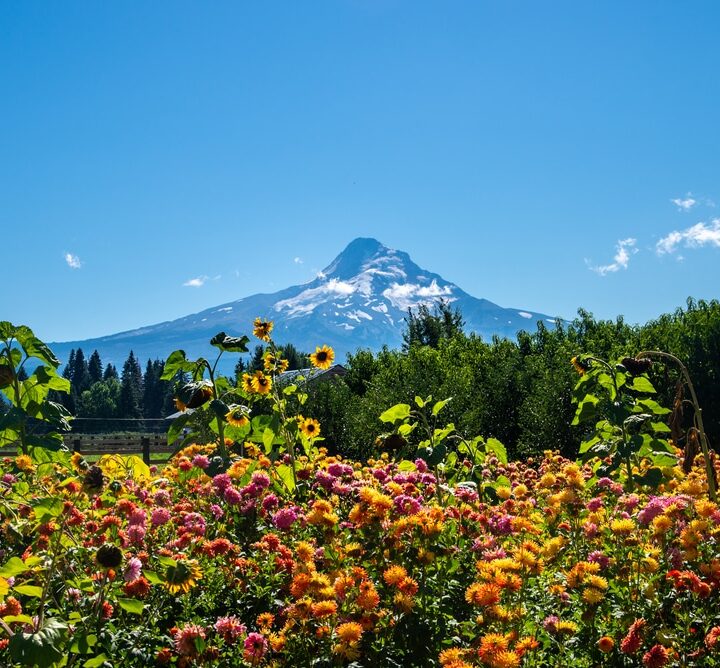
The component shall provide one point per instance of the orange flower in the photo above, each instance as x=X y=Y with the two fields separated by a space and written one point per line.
x=394 y=575
x=324 y=609
x=349 y=632
x=482 y=594
x=606 y=644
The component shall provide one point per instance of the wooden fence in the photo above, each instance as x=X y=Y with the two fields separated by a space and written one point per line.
x=144 y=445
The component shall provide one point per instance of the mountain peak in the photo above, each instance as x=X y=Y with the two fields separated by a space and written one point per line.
x=356 y=254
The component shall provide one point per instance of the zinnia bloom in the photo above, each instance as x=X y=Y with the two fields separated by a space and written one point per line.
x=262 y=329
x=349 y=632
x=255 y=647
x=185 y=639
x=323 y=357
x=655 y=657
x=606 y=644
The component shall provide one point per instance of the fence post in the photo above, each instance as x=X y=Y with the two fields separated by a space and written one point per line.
x=76 y=445
x=145 y=442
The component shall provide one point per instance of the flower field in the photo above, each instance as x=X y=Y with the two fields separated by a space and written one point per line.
x=262 y=549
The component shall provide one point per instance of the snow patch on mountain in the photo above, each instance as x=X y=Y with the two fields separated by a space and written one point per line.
x=409 y=295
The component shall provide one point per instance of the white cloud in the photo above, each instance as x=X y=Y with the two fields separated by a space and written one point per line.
x=73 y=261
x=702 y=234
x=621 y=259
x=196 y=282
x=298 y=260
x=684 y=204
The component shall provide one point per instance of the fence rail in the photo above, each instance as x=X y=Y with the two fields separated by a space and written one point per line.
x=134 y=444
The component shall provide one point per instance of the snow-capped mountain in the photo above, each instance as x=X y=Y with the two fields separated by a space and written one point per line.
x=359 y=301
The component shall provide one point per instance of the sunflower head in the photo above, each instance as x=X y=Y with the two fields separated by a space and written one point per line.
x=580 y=365
x=323 y=357
x=182 y=576
x=247 y=380
x=237 y=416
x=108 y=556
x=310 y=427
x=261 y=384
x=262 y=329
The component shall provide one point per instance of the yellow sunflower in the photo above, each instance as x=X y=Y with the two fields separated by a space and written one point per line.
x=261 y=383
x=237 y=416
x=262 y=329
x=310 y=427
x=273 y=363
x=247 y=380
x=323 y=357
x=182 y=576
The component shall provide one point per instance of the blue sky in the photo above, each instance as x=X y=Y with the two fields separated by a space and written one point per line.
x=543 y=155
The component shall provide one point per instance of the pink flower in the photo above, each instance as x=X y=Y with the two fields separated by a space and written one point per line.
x=133 y=569
x=185 y=639
x=255 y=648
x=285 y=518
x=159 y=517
x=230 y=628
x=201 y=461
x=136 y=534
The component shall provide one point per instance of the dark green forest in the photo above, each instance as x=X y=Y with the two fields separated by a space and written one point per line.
x=518 y=391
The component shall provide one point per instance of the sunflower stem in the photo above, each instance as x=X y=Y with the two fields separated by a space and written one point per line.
x=709 y=470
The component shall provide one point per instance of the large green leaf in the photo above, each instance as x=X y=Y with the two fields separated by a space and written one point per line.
x=654 y=407
x=233 y=344
x=41 y=648
x=396 y=413
x=587 y=409
x=34 y=347
x=497 y=448
x=642 y=384
x=13 y=567
x=177 y=361
x=131 y=605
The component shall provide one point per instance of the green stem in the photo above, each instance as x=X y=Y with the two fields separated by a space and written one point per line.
x=712 y=491
x=222 y=450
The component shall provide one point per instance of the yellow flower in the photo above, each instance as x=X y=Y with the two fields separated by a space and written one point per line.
x=237 y=416
x=261 y=383
x=24 y=463
x=349 y=632
x=262 y=329
x=592 y=596
x=273 y=363
x=247 y=382
x=623 y=527
x=323 y=357
x=310 y=427
x=182 y=576
x=579 y=366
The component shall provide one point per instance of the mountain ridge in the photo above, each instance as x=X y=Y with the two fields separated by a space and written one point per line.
x=360 y=300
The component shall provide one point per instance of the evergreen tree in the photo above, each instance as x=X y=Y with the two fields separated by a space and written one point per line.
x=95 y=369
x=67 y=371
x=110 y=372
x=80 y=374
x=240 y=369
x=256 y=363
x=153 y=389
x=129 y=405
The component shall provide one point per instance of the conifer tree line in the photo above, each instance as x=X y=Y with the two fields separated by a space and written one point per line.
x=108 y=398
